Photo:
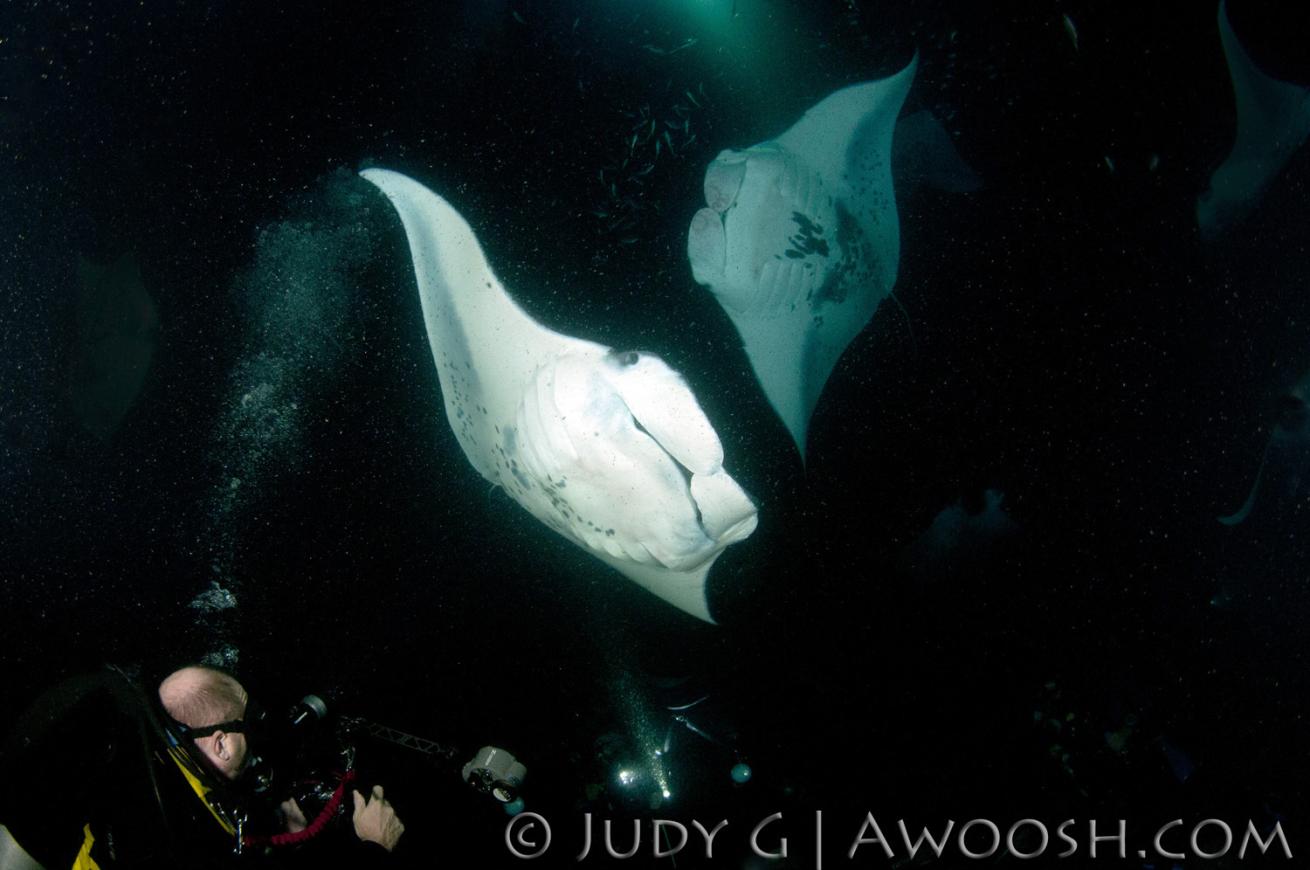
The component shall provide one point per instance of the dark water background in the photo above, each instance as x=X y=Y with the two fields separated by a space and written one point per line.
x=1075 y=345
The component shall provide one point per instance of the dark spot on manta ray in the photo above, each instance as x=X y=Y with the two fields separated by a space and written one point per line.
x=851 y=240
x=806 y=226
x=809 y=240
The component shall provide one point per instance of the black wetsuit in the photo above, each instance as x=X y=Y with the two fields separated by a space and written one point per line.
x=87 y=771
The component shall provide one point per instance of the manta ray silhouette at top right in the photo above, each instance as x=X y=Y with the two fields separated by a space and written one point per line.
x=1273 y=121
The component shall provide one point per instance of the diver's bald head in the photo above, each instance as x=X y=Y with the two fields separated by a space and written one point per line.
x=197 y=696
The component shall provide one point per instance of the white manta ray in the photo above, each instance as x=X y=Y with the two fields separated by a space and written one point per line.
x=800 y=241
x=1273 y=121
x=608 y=448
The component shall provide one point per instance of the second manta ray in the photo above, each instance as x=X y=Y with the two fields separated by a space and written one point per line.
x=1273 y=121
x=800 y=242
x=608 y=448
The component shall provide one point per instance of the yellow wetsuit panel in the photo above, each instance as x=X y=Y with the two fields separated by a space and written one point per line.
x=200 y=789
x=84 y=861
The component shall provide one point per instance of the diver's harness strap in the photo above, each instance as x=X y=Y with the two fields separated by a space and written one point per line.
x=314 y=828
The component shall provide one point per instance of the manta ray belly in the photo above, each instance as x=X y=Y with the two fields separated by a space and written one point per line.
x=779 y=244
x=581 y=465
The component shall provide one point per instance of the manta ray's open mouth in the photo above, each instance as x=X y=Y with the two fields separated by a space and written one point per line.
x=686 y=472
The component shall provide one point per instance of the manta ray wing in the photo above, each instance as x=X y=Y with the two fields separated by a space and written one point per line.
x=1273 y=121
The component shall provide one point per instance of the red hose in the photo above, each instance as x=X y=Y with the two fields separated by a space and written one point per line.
x=314 y=828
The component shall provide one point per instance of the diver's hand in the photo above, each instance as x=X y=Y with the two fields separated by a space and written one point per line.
x=376 y=820
x=293 y=818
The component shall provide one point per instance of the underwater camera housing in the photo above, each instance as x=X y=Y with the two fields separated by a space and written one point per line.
x=495 y=772
x=278 y=747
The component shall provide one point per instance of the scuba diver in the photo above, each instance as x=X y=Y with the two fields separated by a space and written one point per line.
x=97 y=774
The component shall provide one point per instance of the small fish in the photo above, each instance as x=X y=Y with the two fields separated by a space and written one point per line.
x=632 y=143
x=693 y=99
x=1154 y=164
x=1071 y=29
x=630 y=240
x=644 y=171
x=658 y=143
x=662 y=52
x=576 y=21
x=1109 y=164
x=667 y=140
x=518 y=17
